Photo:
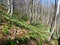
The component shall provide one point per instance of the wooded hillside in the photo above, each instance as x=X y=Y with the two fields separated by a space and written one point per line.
x=29 y=22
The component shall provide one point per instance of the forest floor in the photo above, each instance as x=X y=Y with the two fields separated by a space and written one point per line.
x=12 y=34
x=17 y=33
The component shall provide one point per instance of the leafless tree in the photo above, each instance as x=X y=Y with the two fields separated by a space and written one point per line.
x=10 y=6
x=55 y=18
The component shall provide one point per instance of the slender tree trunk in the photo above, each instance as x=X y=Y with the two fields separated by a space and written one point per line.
x=31 y=13
x=11 y=7
x=54 y=18
x=48 y=12
x=8 y=6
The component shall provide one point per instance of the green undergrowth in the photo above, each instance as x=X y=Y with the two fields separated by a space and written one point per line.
x=39 y=31
x=2 y=4
x=36 y=31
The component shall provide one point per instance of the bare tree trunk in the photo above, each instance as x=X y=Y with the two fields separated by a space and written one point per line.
x=31 y=13
x=54 y=18
x=8 y=6
x=11 y=7
x=48 y=13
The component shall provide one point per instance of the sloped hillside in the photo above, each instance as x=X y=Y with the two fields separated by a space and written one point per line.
x=15 y=31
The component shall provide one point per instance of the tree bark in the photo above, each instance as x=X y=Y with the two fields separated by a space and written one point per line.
x=8 y=6
x=11 y=7
x=54 y=18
